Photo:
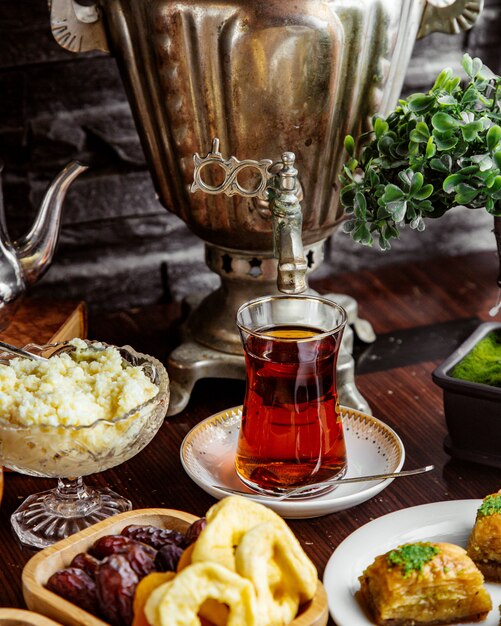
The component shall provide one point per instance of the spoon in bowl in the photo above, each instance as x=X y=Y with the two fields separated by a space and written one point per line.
x=339 y=481
x=7 y=347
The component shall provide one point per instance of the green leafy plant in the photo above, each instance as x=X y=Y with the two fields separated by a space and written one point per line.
x=435 y=151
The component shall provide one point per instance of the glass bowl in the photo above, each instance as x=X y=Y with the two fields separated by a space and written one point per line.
x=70 y=452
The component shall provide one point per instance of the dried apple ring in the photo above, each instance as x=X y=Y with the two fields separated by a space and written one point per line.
x=178 y=602
x=227 y=523
x=271 y=557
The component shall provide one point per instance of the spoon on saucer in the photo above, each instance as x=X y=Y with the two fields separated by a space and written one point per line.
x=355 y=479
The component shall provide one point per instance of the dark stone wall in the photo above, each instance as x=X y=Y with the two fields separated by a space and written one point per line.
x=118 y=246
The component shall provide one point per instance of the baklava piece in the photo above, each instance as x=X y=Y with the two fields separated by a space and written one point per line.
x=484 y=545
x=420 y=584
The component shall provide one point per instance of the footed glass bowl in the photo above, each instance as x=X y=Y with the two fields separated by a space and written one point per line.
x=70 y=452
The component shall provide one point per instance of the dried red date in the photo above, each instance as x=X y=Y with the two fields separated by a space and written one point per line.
x=168 y=557
x=109 y=544
x=76 y=586
x=140 y=556
x=154 y=536
x=116 y=583
x=194 y=530
x=86 y=562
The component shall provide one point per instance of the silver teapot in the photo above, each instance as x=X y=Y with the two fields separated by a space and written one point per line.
x=23 y=262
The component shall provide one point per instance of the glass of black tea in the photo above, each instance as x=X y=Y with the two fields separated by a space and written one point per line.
x=291 y=434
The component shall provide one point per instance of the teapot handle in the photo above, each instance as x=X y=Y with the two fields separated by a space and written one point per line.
x=77 y=25
x=453 y=18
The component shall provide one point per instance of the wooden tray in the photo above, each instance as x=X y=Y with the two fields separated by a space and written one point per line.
x=20 y=617
x=40 y=567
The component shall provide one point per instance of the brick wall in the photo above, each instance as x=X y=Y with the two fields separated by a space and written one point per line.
x=118 y=246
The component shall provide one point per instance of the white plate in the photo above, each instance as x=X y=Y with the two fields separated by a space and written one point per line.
x=441 y=521
x=208 y=456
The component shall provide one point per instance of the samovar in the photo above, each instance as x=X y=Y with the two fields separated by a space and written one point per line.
x=265 y=76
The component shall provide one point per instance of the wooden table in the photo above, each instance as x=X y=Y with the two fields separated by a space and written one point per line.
x=420 y=312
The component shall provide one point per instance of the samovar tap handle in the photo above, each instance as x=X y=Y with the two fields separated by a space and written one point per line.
x=279 y=190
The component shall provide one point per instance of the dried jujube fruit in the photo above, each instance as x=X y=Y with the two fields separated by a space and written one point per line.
x=76 y=586
x=140 y=556
x=168 y=557
x=194 y=530
x=109 y=544
x=154 y=536
x=86 y=562
x=116 y=583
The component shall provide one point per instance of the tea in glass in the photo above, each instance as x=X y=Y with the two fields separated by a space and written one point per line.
x=291 y=433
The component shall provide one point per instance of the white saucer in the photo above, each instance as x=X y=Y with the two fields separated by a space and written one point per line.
x=208 y=455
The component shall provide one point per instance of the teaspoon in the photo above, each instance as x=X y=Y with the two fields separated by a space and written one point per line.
x=355 y=479
x=7 y=347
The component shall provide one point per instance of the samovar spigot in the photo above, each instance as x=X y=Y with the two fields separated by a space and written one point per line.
x=280 y=191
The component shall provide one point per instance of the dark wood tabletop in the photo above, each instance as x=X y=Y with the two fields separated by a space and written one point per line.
x=420 y=312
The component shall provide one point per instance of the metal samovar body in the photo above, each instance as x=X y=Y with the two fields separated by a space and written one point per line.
x=264 y=76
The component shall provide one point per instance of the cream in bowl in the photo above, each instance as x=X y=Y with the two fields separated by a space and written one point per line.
x=88 y=408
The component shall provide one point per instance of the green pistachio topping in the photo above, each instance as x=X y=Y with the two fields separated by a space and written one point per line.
x=412 y=556
x=490 y=505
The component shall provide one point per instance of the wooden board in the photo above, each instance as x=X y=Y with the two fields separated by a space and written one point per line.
x=20 y=617
x=45 y=321
x=39 y=568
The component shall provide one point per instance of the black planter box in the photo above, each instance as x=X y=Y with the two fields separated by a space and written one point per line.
x=472 y=410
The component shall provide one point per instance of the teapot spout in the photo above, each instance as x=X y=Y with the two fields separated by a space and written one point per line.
x=35 y=250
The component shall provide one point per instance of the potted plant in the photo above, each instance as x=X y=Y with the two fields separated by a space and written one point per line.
x=434 y=152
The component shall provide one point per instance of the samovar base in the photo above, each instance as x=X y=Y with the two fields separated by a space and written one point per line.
x=211 y=347
x=191 y=361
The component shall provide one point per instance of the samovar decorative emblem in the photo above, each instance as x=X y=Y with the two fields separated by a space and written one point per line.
x=280 y=191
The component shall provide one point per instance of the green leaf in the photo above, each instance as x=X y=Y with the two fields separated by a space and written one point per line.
x=447 y=100
x=384 y=244
x=349 y=145
x=452 y=84
x=439 y=166
x=485 y=164
x=385 y=144
x=420 y=134
x=470 y=96
x=424 y=192
x=418 y=224
x=362 y=234
x=417 y=183
x=493 y=137
x=360 y=206
x=348 y=226
x=465 y=193
x=373 y=177
x=392 y=193
x=442 y=78
x=397 y=209
x=420 y=102
x=443 y=122
x=431 y=148
x=496 y=186
x=467 y=64
x=406 y=177
x=476 y=67
x=380 y=127
x=497 y=159
x=450 y=182
x=445 y=141
x=470 y=131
